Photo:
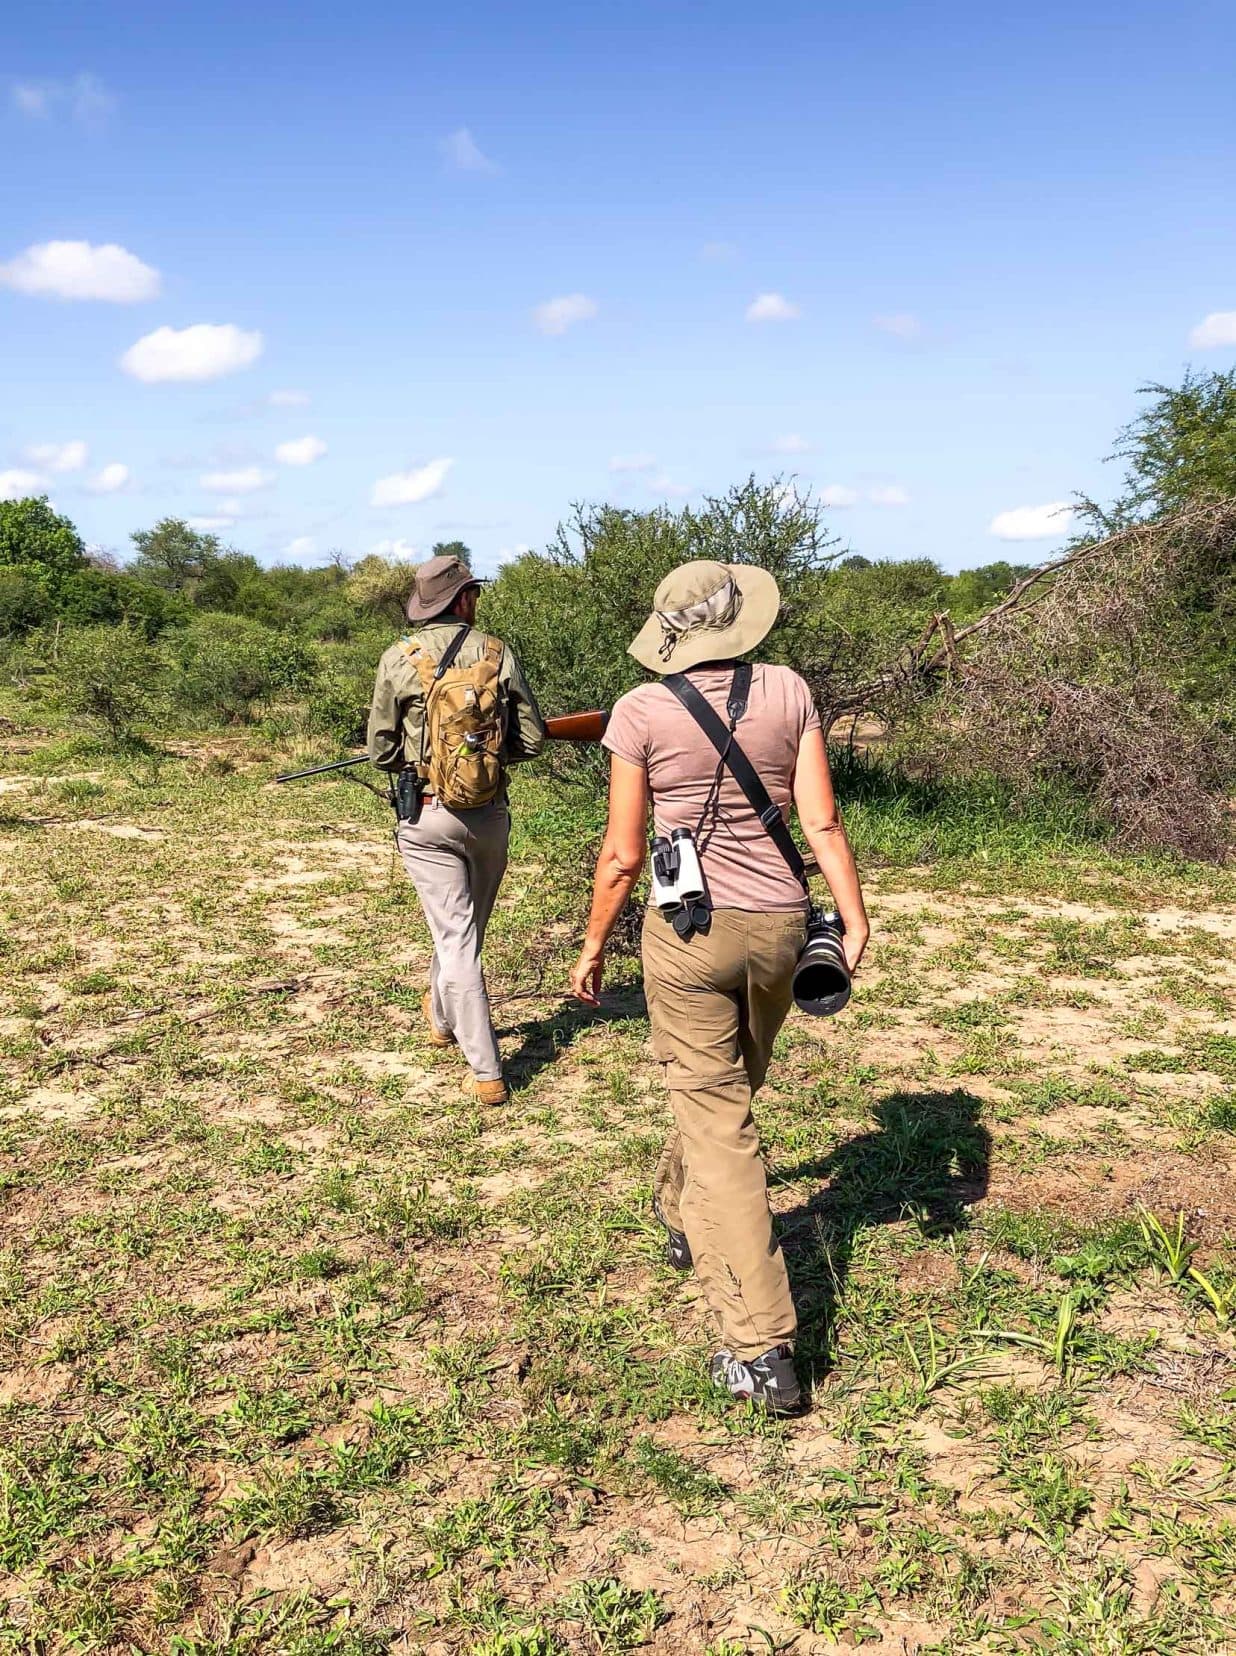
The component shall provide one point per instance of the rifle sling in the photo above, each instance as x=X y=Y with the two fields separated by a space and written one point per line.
x=451 y=651
x=740 y=767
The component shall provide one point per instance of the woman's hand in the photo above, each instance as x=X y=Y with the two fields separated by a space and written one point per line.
x=854 y=943
x=589 y=970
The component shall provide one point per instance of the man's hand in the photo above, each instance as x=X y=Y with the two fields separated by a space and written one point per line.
x=586 y=978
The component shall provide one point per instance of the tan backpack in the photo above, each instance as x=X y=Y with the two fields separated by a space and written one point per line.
x=464 y=720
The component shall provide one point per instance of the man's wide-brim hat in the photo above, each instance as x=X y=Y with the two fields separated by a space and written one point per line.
x=438 y=583
x=705 y=611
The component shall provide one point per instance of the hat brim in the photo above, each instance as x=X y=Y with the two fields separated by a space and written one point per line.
x=422 y=612
x=761 y=604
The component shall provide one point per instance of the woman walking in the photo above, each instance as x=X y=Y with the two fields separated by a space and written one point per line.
x=717 y=975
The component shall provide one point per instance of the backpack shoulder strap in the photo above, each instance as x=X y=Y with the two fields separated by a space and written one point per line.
x=421 y=662
x=740 y=767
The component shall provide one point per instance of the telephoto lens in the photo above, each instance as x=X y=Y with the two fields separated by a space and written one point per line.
x=821 y=977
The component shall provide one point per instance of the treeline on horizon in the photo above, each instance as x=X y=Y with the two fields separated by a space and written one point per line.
x=192 y=632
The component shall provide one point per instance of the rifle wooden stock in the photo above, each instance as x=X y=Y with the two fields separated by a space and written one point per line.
x=577 y=727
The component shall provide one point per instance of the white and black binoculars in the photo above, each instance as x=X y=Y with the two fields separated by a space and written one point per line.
x=678 y=882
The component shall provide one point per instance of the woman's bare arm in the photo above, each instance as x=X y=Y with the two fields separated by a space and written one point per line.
x=619 y=866
x=821 y=820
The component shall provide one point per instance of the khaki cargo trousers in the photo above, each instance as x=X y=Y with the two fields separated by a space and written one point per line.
x=456 y=860
x=716 y=1003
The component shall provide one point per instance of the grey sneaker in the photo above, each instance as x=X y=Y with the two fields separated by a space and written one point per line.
x=768 y=1381
x=677 y=1248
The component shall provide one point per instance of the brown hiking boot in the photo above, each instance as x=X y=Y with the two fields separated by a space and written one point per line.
x=490 y=1092
x=437 y=1037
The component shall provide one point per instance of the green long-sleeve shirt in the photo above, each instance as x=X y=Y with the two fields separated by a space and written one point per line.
x=397 y=714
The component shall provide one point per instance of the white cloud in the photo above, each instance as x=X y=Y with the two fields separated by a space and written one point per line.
x=77 y=270
x=891 y=494
x=32 y=99
x=901 y=324
x=772 y=307
x=1033 y=522
x=242 y=481
x=205 y=351
x=838 y=495
x=1215 y=330
x=632 y=462
x=407 y=488
x=462 y=152
x=288 y=399
x=555 y=316
x=304 y=546
x=396 y=551
x=16 y=484
x=85 y=97
x=667 y=489
x=207 y=525
x=791 y=443
x=300 y=451
x=110 y=478
x=508 y=554
x=58 y=457
x=231 y=507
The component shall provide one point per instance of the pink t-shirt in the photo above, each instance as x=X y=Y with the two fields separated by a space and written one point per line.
x=650 y=727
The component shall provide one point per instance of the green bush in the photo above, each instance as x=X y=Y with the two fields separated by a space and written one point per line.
x=232 y=669
x=95 y=595
x=111 y=677
x=338 y=704
x=25 y=602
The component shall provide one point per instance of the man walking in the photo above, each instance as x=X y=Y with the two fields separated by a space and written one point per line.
x=452 y=706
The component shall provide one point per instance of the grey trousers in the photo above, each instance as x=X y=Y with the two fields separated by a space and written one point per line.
x=456 y=860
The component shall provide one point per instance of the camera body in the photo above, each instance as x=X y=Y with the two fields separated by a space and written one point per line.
x=821 y=977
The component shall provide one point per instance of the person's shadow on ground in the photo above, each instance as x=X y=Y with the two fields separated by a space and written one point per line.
x=927 y=1160
x=543 y=1040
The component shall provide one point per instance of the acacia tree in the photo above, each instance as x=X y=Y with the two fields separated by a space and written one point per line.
x=1180 y=449
x=173 y=556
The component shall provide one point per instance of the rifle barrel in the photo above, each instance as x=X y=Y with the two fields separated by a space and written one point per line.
x=321 y=770
x=569 y=727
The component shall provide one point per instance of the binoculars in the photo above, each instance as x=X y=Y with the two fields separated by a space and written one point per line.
x=678 y=882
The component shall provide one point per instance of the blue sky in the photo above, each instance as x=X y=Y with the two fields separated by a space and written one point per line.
x=919 y=256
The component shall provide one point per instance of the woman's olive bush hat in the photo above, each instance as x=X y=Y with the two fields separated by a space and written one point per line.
x=705 y=611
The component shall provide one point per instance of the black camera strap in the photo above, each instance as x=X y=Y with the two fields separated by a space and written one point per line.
x=740 y=767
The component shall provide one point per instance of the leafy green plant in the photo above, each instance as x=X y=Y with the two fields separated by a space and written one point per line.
x=831 y=1608
x=690 y=1488
x=1059 y=1348
x=1171 y=1250
x=934 y=1366
x=617 y=1617
x=1220 y=1294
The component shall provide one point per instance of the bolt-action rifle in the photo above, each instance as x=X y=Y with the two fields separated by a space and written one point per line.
x=568 y=727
